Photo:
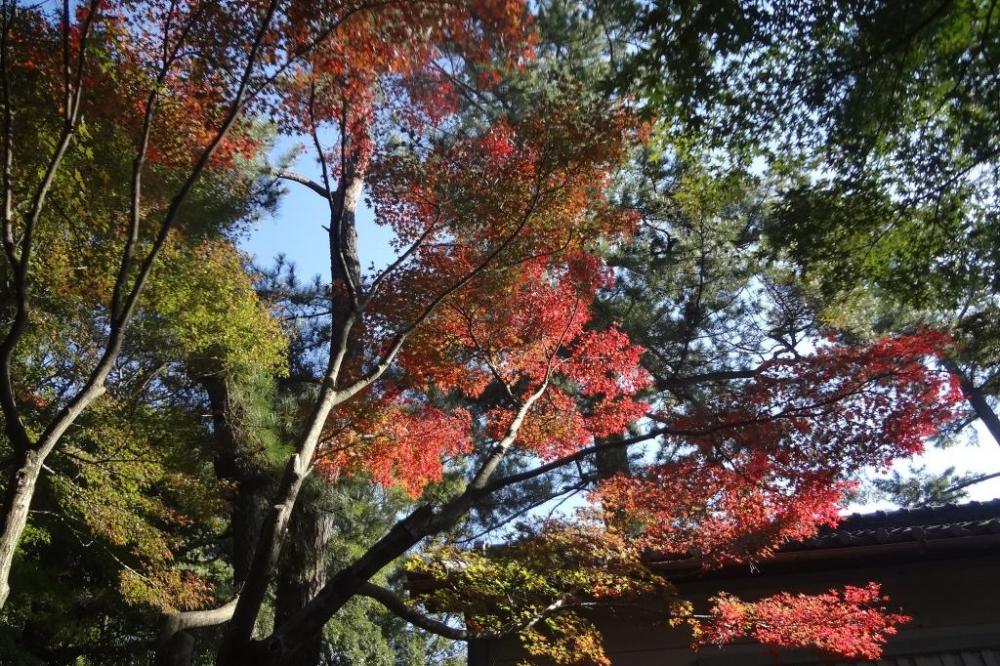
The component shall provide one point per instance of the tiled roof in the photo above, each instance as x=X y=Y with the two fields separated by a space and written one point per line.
x=907 y=525
x=973 y=525
x=950 y=658
x=864 y=538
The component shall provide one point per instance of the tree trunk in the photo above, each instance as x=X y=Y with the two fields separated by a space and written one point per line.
x=422 y=522
x=612 y=461
x=307 y=624
x=977 y=400
x=303 y=573
x=176 y=644
x=345 y=271
x=178 y=650
x=232 y=463
x=16 y=504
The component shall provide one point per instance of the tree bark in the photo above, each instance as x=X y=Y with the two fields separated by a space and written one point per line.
x=306 y=624
x=175 y=646
x=178 y=650
x=16 y=504
x=233 y=463
x=303 y=573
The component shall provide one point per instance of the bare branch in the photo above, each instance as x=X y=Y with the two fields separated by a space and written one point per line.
x=319 y=189
x=703 y=378
x=400 y=260
x=976 y=398
x=582 y=454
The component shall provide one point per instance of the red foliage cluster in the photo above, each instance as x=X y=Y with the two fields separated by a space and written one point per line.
x=695 y=508
x=394 y=440
x=515 y=338
x=395 y=63
x=393 y=59
x=852 y=623
x=771 y=459
x=530 y=331
x=495 y=221
x=535 y=189
x=865 y=406
x=193 y=55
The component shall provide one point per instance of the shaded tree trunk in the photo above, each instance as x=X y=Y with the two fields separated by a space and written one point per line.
x=611 y=461
x=233 y=463
x=303 y=573
x=175 y=646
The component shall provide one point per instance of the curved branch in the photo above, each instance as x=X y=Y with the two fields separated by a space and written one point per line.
x=512 y=479
x=73 y=91
x=173 y=645
x=183 y=620
x=294 y=177
x=971 y=482
x=406 y=612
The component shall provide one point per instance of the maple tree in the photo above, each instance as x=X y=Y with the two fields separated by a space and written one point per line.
x=484 y=358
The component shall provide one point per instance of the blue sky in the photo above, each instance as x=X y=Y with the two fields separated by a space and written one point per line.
x=297 y=230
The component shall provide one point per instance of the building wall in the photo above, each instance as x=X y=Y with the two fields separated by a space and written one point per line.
x=954 y=602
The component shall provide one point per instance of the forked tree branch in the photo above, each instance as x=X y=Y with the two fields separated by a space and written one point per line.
x=424 y=521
